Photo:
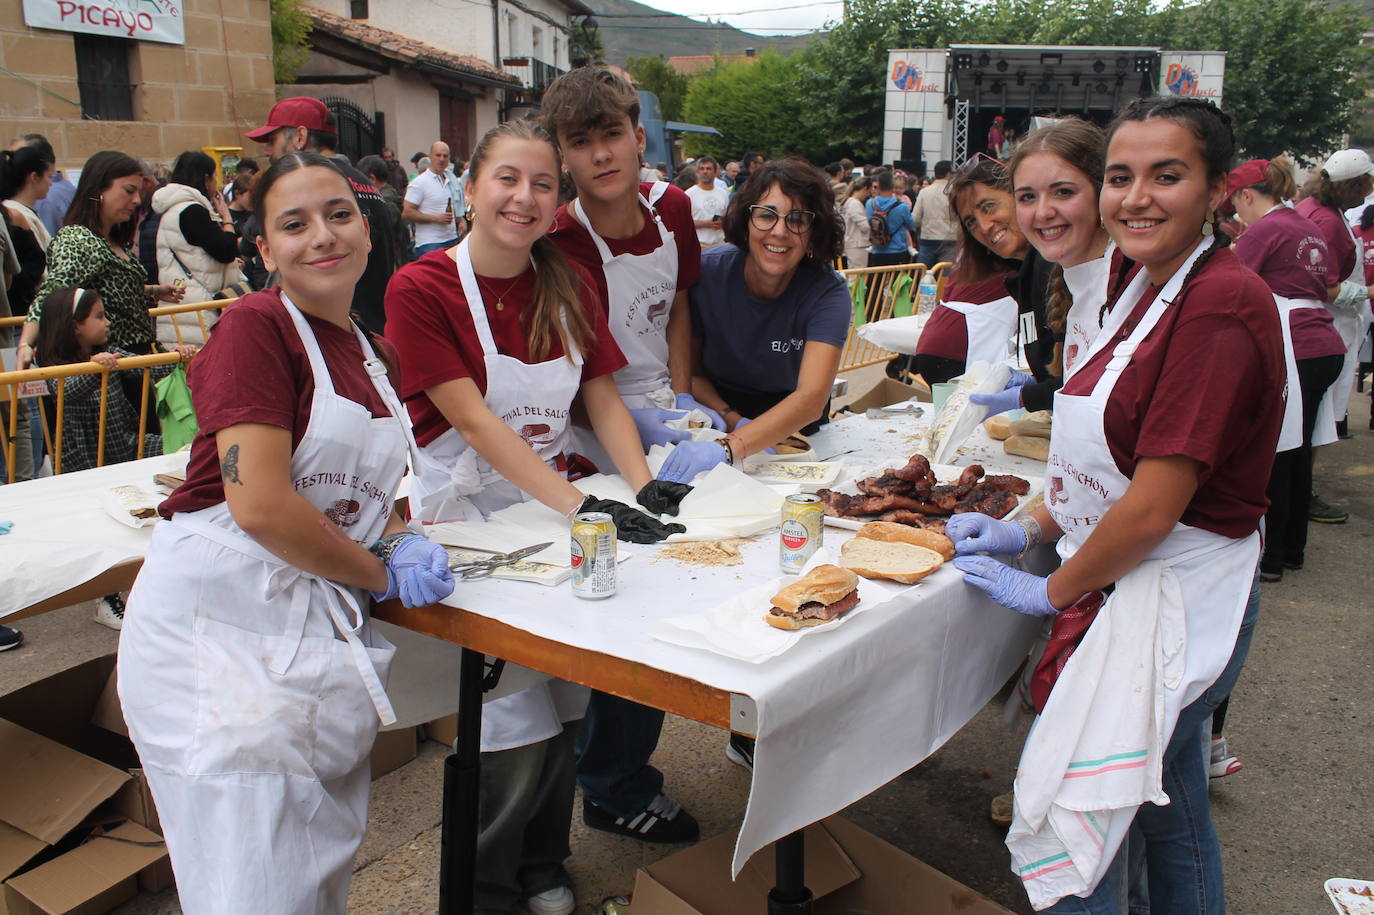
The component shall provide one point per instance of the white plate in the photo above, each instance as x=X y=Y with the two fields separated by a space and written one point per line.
x=1351 y=896
x=944 y=473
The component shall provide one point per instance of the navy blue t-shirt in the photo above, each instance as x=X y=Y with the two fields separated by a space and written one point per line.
x=755 y=346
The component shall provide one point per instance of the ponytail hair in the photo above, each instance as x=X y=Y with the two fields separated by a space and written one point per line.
x=555 y=309
x=17 y=164
x=63 y=309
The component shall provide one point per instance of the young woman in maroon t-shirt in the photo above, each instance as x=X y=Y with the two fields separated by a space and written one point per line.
x=1288 y=252
x=251 y=680
x=1159 y=460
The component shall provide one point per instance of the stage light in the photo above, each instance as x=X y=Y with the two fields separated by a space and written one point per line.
x=1099 y=66
x=963 y=61
x=984 y=59
x=1144 y=64
x=1021 y=78
x=1002 y=65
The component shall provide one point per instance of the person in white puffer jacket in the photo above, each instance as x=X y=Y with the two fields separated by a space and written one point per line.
x=197 y=244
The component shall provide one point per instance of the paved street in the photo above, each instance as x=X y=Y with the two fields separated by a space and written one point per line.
x=1300 y=721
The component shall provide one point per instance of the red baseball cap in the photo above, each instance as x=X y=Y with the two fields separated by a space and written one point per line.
x=297 y=111
x=1246 y=175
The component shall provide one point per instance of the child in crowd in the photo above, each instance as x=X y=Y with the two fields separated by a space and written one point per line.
x=73 y=327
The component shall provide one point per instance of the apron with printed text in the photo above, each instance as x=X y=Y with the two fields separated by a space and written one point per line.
x=253 y=690
x=1083 y=482
x=1087 y=284
x=454 y=482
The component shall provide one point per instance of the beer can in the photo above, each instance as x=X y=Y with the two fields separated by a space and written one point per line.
x=614 y=905
x=803 y=524
x=593 y=555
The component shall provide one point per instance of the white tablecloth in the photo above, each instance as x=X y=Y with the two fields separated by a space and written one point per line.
x=840 y=714
x=62 y=535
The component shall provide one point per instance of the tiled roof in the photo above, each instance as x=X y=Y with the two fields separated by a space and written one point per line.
x=401 y=48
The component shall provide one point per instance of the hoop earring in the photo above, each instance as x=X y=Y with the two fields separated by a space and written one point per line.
x=553 y=228
x=469 y=213
x=1207 y=228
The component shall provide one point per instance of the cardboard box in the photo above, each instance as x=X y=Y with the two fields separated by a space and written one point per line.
x=392 y=750
x=849 y=871
x=887 y=392
x=62 y=773
x=443 y=730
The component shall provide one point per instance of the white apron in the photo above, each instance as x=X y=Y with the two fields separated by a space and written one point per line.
x=1290 y=433
x=990 y=327
x=640 y=289
x=1096 y=752
x=1352 y=328
x=253 y=695
x=1087 y=283
x=455 y=483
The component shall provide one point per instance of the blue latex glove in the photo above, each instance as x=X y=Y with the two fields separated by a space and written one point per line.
x=1012 y=588
x=689 y=403
x=689 y=459
x=417 y=573
x=649 y=421
x=1018 y=380
x=744 y=421
x=976 y=533
x=1003 y=401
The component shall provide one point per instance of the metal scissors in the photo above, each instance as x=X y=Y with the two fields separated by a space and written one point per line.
x=483 y=568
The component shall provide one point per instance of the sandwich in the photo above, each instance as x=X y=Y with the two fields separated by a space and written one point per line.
x=903 y=562
x=825 y=593
x=905 y=533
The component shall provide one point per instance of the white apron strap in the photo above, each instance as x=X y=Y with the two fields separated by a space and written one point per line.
x=655 y=193
x=473 y=293
x=323 y=380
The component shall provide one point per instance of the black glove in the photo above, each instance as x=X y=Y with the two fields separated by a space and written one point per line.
x=631 y=524
x=661 y=497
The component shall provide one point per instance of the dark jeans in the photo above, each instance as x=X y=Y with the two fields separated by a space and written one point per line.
x=932 y=251
x=436 y=246
x=1171 y=860
x=613 y=750
x=524 y=814
x=1290 y=481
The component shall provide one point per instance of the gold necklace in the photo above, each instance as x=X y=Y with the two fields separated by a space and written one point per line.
x=500 y=305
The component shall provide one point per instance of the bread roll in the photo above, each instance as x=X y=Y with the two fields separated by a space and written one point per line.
x=1035 y=425
x=893 y=560
x=825 y=584
x=1028 y=446
x=998 y=427
x=793 y=444
x=892 y=532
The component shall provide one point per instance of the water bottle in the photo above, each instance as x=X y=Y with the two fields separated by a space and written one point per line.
x=925 y=294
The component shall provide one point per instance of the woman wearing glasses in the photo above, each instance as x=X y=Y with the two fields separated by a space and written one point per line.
x=769 y=317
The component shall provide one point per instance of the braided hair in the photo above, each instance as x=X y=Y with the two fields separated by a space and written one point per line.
x=1217 y=141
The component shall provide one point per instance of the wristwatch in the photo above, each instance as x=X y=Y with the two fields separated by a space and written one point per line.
x=387 y=545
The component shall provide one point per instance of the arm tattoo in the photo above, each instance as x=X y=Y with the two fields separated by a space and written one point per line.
x=229 y=465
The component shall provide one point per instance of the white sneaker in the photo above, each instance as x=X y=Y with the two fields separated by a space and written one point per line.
x=557 y=901
x=109 y=611
x=1222 y=761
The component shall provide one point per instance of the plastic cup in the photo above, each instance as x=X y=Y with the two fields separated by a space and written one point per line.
x=939 y=393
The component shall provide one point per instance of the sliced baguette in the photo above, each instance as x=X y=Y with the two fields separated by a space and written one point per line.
x=892 y=532
x=896 y=561
x=998 y=427
x=1037 y=449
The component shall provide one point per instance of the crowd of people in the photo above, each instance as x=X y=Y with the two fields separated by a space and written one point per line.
x=1194 y=333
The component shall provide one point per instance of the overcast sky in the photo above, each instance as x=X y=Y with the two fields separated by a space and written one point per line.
x=775 y=17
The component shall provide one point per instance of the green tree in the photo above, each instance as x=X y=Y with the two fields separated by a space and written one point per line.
x=653 y=74
x=756 y=104
x=842 y=77
x=1296 y=75
x=585 y=47
x=290 y=39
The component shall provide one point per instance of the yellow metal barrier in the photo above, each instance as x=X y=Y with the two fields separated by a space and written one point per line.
x=197 y=308
x=879 y=301
x=10 y=383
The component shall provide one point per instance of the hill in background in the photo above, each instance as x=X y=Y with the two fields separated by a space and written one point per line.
x=651 y=32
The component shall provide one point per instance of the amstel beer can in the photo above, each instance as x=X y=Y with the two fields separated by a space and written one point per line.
x=593 y=555
x=803 y=521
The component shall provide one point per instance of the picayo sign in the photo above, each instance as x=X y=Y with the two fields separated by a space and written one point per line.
x=143 y=20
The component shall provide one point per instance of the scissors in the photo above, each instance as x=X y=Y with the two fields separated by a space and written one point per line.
x=483 y=568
